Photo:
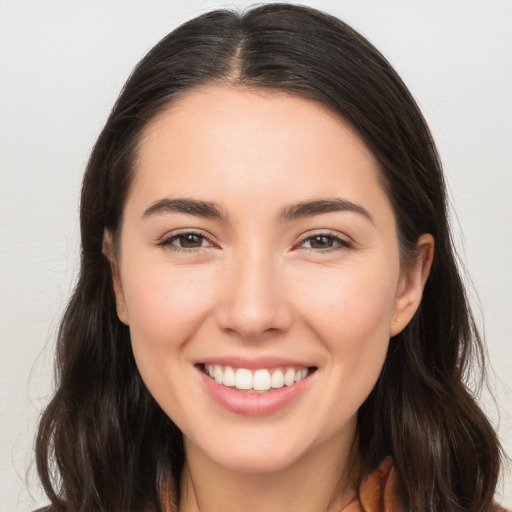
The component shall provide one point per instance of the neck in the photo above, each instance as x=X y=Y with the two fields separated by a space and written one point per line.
x=319 y=482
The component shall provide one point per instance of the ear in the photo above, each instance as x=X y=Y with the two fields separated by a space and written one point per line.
x=108 y=251
x=411 y=285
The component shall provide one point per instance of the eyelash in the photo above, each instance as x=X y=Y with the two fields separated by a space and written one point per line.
x=342 y=244
x=168 y=242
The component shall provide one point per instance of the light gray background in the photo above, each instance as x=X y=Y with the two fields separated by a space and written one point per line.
x=62 y=64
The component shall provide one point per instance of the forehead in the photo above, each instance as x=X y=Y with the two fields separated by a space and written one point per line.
x=231 y=125
x=252 y=150
x=225 y=98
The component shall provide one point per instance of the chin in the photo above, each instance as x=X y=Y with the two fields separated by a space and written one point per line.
x=251 y=451
x=256 y=461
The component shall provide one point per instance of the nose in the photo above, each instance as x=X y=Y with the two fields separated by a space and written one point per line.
x=252 y=296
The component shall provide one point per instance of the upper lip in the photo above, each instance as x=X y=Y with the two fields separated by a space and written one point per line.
x=254 y=363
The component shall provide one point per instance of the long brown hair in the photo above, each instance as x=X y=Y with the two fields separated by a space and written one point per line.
x=104 y=444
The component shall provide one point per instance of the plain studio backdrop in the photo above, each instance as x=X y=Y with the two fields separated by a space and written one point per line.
x=62 y=65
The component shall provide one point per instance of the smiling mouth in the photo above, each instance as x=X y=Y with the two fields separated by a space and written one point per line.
x=256 y=381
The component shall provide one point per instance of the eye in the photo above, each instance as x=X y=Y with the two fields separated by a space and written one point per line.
x=186 y=241
x=324 y=242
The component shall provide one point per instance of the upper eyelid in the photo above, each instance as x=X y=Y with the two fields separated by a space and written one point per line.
x=185 y=231
x=167 y=237
x=324 y=232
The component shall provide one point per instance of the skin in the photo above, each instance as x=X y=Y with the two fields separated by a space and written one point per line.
x=255 y=284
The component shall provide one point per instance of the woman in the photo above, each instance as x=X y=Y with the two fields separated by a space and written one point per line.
x=268 y=314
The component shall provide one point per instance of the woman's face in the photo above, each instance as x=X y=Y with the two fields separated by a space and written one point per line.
x=257 y=245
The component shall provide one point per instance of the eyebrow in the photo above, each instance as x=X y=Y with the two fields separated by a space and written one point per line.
x=320 y=206
x=189 y=206
x=292 y=212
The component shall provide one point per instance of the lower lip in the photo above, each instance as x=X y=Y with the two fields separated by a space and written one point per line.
x=253 y=404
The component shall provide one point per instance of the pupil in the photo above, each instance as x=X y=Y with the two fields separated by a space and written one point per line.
x=191 y=241
x=320 y=242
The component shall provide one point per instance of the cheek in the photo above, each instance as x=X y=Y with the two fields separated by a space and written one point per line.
x=165 y=311
x=351 y=317
x=355 y=305
x=350 y=312
x=165 y=308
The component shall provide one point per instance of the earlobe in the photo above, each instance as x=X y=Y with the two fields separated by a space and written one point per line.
x=108 y=251
x=412 y=283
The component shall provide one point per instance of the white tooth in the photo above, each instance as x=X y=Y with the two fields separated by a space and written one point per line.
x=298 y=375
x=304 y=373
x=261 y=380
x=277 y=380
x=289 y=377
x=211 y=373
x=243 y=379
x=228 y=378
x=217 y=373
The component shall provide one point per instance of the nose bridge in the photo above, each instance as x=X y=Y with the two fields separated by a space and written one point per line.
x=253 y=297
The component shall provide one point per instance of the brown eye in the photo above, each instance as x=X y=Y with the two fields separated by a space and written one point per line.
x=186 y=241
x=321 y=242
x=189 y=241
x=324 y=242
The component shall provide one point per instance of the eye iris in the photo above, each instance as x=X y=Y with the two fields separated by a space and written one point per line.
x=321 y=242
x=190 y=241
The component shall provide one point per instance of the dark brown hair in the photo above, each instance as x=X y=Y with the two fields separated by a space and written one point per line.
x=104 y=444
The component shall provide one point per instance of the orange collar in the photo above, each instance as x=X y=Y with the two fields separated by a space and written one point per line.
x=378 y=492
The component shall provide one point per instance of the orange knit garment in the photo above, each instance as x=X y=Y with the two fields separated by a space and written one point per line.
x=378 y=492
